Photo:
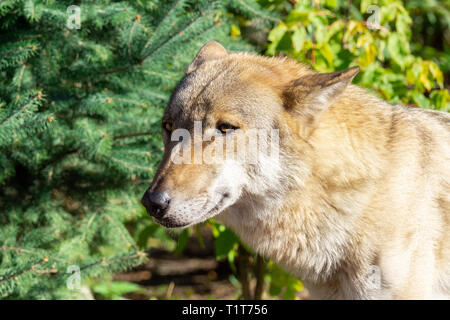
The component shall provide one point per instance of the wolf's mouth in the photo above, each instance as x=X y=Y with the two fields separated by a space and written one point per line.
x=170 y=222
x=213 y=211
x=218 y=205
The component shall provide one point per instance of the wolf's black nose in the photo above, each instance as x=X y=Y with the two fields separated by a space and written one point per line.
x=156 y=203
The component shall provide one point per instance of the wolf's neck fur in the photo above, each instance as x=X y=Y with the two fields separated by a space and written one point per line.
x=311 y=223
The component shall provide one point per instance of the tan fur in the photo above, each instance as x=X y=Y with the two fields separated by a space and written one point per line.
x=360 y=185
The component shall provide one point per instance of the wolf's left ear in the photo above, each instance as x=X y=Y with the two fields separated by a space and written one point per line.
x=210 y=51
x=311 y=94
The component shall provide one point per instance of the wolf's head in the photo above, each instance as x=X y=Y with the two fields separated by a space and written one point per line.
x=230 y=128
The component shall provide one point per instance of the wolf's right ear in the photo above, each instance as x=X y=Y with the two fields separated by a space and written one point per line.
x=314 y=93
x=210 y=51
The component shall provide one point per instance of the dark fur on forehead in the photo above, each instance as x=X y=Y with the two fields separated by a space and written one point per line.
x=221 y=83
x=196 y=90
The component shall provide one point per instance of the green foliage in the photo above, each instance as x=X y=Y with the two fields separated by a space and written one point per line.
x=80 y=130
x=332 y=36
x=226 y=242
x=431 y=31
x=114 y=290
x=281 y=283
x=183 y=238
x=148 y=234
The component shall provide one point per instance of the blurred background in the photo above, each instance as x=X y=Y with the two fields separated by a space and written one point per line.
x=83 y=88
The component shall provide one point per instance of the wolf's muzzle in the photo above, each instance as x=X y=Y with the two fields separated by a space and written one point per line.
x=156 y=203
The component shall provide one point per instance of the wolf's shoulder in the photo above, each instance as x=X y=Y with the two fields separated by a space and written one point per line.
x=438 y=116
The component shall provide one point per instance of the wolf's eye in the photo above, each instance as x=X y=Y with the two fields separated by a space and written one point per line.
x=168 y=126
x=225 y=127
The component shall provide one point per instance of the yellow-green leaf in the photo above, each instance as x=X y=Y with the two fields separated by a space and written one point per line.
x=326 y=52
x=298 y=38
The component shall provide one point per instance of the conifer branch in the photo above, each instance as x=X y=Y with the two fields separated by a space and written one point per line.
x=170 y=39
x=120 y=231
x=19 y=82
x=83 y=236
x=160 y=24
x=121 y=69
x=16 y=275
x=257 y=13
x=112 y=261
x=162 y=75
x=17 y=249
x=130 y=37
x=131 y=135
x=128 y=164
x=199 y=16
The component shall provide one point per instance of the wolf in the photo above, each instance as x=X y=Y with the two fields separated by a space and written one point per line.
x=357 y=202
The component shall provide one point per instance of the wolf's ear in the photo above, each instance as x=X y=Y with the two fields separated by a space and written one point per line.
x=210 y=51
x=311 y=94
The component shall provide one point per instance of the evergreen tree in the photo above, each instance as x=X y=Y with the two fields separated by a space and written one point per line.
x=79 y=128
